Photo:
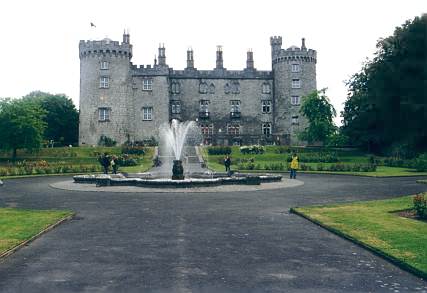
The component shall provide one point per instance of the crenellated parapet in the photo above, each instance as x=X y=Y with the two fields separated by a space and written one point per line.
x=104 y=47
x=295 y=53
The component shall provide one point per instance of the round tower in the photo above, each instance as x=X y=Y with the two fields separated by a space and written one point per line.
x=294 y=72
x=104 y=93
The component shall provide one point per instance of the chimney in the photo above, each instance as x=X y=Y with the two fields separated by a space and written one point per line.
x=219 y=61
x=250 y=59
x=303 y=47
x=162 y=55
x=190 y=58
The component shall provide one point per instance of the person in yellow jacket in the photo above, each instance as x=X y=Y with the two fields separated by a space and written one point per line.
x=294 y=166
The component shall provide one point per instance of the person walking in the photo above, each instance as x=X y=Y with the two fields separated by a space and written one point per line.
x=227 y=164
x=294 y=166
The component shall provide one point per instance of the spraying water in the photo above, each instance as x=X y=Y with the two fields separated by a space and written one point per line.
x=175 y=136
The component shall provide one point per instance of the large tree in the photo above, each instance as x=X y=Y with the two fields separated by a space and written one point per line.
x=386 y=107
x=320 y=113
x=21 y=125
x=62 y=117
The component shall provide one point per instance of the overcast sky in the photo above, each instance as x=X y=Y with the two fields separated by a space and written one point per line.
x=40 y=38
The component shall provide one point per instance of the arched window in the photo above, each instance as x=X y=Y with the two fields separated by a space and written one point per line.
x=266 y=89
x=203 y=88
x=212 y=88
x=227 y=88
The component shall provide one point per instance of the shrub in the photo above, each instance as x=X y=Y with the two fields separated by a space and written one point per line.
x=133 y=150
x=106 y=141
x=125 y=161
x=219 y=150
x=253 y=149
x=420 y=206
x=420 y=163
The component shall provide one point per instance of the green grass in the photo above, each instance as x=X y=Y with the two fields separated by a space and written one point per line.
x=17 y=225
x=374 y=225
x=270 y=156
x=77 y=156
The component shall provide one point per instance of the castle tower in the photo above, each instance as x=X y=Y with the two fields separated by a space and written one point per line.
x=276 y=46
x=294 y=72
x=104 y=86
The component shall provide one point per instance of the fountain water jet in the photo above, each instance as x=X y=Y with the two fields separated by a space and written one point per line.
x=175 y=136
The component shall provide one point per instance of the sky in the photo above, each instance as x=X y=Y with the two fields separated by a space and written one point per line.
x=40 y=38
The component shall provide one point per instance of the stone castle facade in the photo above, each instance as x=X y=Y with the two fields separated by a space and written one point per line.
x=126 y=102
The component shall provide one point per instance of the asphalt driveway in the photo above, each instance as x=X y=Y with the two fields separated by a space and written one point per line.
x=199 y=242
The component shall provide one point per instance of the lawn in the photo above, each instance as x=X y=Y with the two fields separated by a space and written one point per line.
x=75 y=159
x=17 y=225
x=375 y=225
x=214 y=162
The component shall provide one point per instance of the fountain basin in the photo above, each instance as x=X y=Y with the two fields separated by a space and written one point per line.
x=238 y=179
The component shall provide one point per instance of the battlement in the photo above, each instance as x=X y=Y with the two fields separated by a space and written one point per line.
x=105 y=46
x=297 y=54
x=276 y=40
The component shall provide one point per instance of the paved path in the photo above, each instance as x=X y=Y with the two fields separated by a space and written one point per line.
x=199 y=242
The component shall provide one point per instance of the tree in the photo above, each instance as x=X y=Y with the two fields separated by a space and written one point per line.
x=320 y=113
x=62 y=117
x=21 y=125
x=386 y=108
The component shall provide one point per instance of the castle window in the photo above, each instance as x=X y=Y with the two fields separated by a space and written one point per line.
x=104 y=82
x=227 y=88
x=296 y=83
x=147 y=113
x=295 y=68
x=203 y=88
x=233 y=129
x=266 y=106
x=104 y=114
x=266 y=129
x=235 y=87
x=295 y=100
x=204 y=108
x=175 y=87
x=175 y=107
x=266 y=89
x=212 y=88
x=206 y=129
x=295 y=120
x=104 y=64
x=235 y=107
x=147 y=84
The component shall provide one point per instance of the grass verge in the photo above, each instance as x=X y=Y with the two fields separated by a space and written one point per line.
x=19 y=226
x=374 y=225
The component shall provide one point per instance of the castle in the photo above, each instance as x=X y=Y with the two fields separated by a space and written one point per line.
x=128 y=103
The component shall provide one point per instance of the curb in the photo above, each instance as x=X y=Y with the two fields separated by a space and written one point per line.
x=26 y=242
x=400 y=264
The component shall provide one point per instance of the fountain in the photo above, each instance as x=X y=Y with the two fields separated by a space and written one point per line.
x=176 y=138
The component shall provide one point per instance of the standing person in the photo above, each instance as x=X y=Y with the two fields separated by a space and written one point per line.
x=294 y=166
x=114 y=164
x=105 y=162
x=227 y=164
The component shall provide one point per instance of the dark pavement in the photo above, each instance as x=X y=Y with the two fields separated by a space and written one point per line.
x=199 y=242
